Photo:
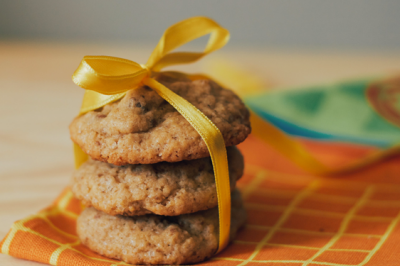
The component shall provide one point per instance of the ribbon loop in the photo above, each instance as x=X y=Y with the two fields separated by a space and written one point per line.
x=108 y=75
x=182 y=33
x=112 y=75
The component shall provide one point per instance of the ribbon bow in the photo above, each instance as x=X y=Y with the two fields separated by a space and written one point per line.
x=107 y=79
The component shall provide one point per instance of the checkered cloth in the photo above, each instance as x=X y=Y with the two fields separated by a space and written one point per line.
x=294 y=218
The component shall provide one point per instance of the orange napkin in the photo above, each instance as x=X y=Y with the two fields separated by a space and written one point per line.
x=294 y=218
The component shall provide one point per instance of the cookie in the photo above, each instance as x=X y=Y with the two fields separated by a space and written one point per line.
x=153 y=239
x=162 y=188
x=143 y=128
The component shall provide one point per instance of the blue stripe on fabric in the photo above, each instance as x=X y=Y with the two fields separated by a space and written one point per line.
x=296 y=130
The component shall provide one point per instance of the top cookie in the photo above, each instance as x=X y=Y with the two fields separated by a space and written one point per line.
x=143 y=128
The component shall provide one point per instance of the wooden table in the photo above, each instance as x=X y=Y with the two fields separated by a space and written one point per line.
x=39 y=100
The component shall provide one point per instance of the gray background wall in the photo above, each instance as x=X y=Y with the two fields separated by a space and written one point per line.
x=339 y=24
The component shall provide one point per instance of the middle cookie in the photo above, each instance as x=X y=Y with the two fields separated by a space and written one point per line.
x=163 y=188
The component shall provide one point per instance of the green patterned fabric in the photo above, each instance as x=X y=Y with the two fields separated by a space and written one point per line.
x=336 y=112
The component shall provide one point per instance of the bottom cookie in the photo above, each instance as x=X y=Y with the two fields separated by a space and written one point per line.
x=152 y=239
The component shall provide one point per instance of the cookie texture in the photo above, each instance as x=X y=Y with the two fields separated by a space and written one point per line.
x=153 y=239
x=143 y=128
x=162 y=188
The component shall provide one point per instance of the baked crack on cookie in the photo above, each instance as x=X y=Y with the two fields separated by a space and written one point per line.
x=143 y=128
x=162 y=188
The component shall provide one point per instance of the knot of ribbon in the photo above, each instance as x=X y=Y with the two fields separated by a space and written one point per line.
x=147 y=69
x=107 y=79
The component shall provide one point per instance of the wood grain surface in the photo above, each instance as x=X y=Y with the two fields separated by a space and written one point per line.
x=38 y=101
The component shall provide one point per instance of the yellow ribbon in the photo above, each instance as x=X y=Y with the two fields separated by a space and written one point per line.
x=107 y=79
x=297 y=153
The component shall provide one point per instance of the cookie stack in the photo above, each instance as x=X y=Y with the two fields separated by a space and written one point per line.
x=149 y=185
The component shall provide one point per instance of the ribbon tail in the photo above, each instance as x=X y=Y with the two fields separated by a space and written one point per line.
x=216 y=146
x=80 y=156
x=297 y=153
x=289 y=147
